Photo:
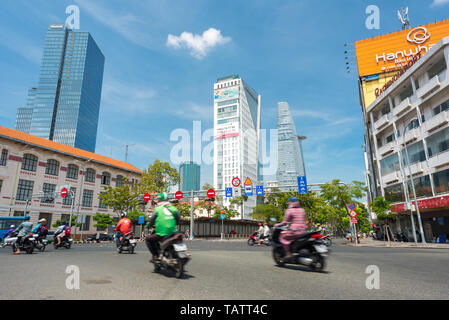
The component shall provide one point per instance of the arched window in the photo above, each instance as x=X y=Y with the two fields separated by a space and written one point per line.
x=72 y=171
x=29 y=162
x=119 y=181
x=52 y=167
x=90 y=175
x=106 y=178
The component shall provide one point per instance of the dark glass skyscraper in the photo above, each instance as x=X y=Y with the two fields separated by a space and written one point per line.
x=189 y=173
x=65 y=105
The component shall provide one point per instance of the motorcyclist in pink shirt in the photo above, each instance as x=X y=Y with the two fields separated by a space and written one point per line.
x=296 y=217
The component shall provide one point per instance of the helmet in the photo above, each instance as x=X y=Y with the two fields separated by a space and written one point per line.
x=162 y=196
x=12 y=226
x=27 y=217
x=260 y=224
x=293 y=199
x=123 y=215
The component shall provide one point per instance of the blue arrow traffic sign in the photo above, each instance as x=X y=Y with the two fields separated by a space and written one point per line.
x=228 y=192
x=141 y=219
x=259 y=190
x=302 y=185
x=222 y=216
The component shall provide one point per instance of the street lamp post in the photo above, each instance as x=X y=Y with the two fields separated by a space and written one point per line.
x=413 y=189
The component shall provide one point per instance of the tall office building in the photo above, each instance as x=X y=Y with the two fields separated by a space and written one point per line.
x=189 y=173
x=65 y=105
x=290 y=156
x=236 y=136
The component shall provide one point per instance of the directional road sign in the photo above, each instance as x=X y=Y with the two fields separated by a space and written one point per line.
x=259 y=190
x=228 y=192
x=141 y=219
x=302 y=185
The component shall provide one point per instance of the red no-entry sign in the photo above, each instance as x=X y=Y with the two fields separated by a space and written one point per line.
x=147 y=197
x=64 y=192
x=178 y=195
x=211 y=193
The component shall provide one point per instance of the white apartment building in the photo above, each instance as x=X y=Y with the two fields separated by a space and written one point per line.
x=31 y=166
x=408 y=127
x=236 y=136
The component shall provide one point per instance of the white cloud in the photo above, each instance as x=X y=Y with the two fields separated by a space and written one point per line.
x=439 y=2
x=199 y=45
x=127 y=25
x=20 y=45
x=122 y=96
x=195 y=112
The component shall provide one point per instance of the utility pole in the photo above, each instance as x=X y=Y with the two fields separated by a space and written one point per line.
x=126 y=150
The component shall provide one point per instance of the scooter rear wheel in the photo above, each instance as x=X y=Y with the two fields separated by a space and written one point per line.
x=318 y=263
x=180 y=269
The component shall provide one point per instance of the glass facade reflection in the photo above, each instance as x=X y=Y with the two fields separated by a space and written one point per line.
x=65 y=105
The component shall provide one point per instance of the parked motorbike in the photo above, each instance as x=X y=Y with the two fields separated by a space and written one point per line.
x=173 y=255
x=40 y=242
x=127 y=243
x=253 y=239
x=66 y=242
x=27 y=243
x=307 y=249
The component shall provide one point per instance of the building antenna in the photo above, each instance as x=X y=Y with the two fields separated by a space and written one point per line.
x=403 y=16
x=126 y=150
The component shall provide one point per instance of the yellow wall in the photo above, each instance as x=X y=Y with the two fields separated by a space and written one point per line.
x=370 y=86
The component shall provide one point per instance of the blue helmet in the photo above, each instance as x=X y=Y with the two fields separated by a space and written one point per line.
x=293 y=199
x=27 y=217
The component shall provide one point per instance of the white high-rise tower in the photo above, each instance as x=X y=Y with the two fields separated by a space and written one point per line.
x=236 y=136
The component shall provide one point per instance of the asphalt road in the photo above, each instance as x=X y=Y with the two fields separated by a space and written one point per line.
x=224 y=270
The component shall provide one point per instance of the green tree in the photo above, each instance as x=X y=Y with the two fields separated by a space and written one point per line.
x=121 y=198
x=228 y=212
x=103 y=220
x=59 y=222
x=134 y=214
x=158 y=177
x=207 y=186
x=381 y=208
x=209 y=206
x=183 y=208
x=264 y=212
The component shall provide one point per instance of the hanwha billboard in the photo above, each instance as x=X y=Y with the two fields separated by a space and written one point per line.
x=393 y=51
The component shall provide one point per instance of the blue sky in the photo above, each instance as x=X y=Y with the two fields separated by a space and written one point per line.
x=286 y=50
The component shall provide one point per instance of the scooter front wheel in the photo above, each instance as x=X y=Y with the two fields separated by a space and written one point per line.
x=277 y=256
x=251 y=242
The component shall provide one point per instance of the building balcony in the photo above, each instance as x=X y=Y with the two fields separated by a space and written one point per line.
x=416 y=168
x=432 y=85
x=439 y=160
x=386 y=149
x=402 y=108
x=382 y=122
x=389 y=178
x=410 y=136
x=437 y=121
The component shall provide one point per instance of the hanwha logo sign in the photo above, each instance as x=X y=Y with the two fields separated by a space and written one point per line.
x=418 y=35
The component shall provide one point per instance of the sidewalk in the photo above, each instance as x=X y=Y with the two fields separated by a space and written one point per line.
x=378 y=243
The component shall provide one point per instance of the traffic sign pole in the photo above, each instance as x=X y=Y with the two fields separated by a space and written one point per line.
x=191 y=216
